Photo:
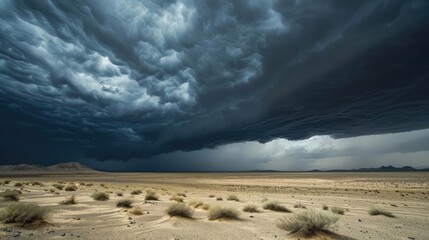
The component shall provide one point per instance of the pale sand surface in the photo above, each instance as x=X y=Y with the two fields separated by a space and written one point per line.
x=405 y=194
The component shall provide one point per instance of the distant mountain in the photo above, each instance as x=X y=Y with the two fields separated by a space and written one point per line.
x=61 y=167
x=379 y=169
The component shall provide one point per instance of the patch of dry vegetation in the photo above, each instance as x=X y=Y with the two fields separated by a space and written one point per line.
x=176 y=198
x=275 y=206
x=70 y=200
x=338 y=210
x=70 y=187
x=233 y=198
x=325 y=207
x=180 y=209
x=23 y=213
x=100 y=196
x=151 y=195
x=219 y=199
x=250 y=207
x=218 y=212
x=17 y=184
x=119 y=194
x=136 y=211
x=124 y=203
x=10 y=195
x=374 y=211
x=58 y=186
x=136 y=192
x=307 y=222
x=299 y=205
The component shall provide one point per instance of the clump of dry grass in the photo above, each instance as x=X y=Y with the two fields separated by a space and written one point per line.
x=10 y=195
x=222 y=213
x=180 y=209
x=70 y=200
x=219 y=199
x=307 y=222
x=151 y=195
x=181 y=194
x=325 y=207
x=250 y=207
x=100 y=196
x=337 y=210
x=23 y=213
x=299 y=205
x=119 y=194
x=176 y=198
x=70 y=187
x=18 y=184
x=233 y=198
x=58 y=186
x=136 y=192
x=124 y=203
x=275 y=206
x=374 y=211
x=212 y=196
x=36 y=183
x=136 y=211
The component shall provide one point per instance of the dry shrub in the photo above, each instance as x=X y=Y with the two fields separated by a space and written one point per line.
x=324 y=207
x=151 y=195
x=100 y=196
x=58 y=186
x=212 y=196
x=181 y=194
x=35 y=183
x=222 y=213
x=337 y=210
x=124 y=203
x=10 y=195
x=176 y=198
x=136 y=211
x=18 y=184
x=374 y=211
x=180 y=209
x=299 y=205
x=70 y=187
x=251 y=208
x=136 y=192
x=219 y=199
x=275 y=206
x=307 y=222
x=119 y=194
x=233 y=198
x=70 y=200
x=23 y=213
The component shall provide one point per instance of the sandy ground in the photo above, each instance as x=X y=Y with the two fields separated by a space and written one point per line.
x=405 y=194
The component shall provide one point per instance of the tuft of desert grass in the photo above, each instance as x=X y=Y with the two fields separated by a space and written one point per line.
x=136 y=192
x=176 y=198
x=233 y=198
x=58 y=186
x=180 y=209
x=218 y=212
x=18 y=184
x=10 y=195
x=307 y=222
x=337 y=210
x=250 y=207
x=219 y=199
x=212 y=196
x=374 y=211
x=151 y=195
x=36 y=183
x=23 y=213
x=299 y=205
x=136 y=211
x=181 y=194
x=70 y=187
x=275 y=206
x=325 y=207
x=124 y=203
x=100 y=196
x=119 y=194
x=70 y=200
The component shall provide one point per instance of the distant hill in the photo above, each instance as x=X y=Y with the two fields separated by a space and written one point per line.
x=379 y=169
x=61 y=167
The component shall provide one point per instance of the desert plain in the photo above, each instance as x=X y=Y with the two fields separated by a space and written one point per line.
x=404 y=194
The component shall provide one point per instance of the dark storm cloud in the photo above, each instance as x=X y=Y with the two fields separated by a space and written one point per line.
x=118 y=80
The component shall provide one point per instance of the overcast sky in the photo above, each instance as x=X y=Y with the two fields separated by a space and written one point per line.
x=215 y=85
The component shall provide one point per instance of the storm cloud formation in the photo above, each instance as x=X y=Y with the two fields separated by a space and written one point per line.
x=134 y=79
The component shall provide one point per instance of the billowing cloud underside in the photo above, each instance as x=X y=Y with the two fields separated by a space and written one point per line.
x=124 y=79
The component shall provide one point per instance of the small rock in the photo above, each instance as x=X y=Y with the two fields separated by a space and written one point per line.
x=360 y=220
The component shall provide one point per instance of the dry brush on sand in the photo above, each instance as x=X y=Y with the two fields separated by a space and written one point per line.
x=307 y=222
x=23 y=213
x=374 y=211
x=218 y=212
x=180 y=210
x=275 y=206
